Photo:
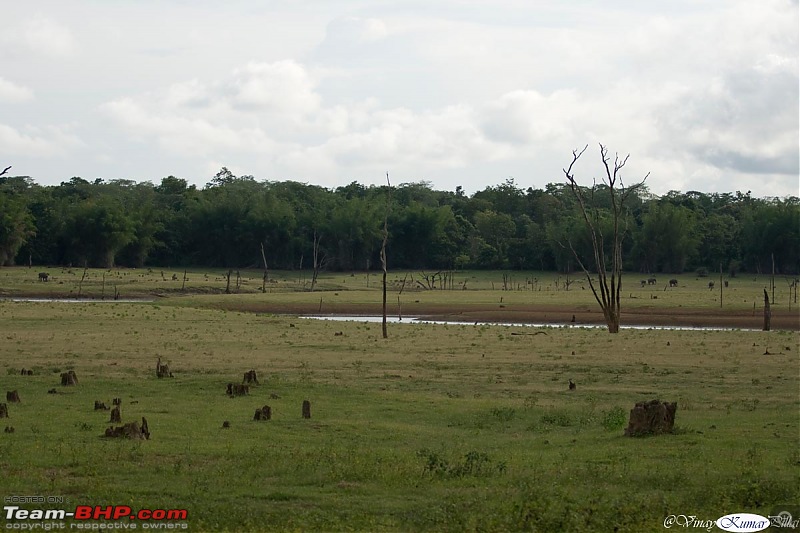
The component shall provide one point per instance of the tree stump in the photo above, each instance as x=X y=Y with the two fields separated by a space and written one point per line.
x=116 y=417
x=162 y=371
x=100 y=406
x=3 y=410
x=117 y=401
x=306 y=409
x=26 y=372
x=69 y=378
x=250 y=377
x=12 y=396
x=651 y=418
x=226 y=424
x=9 y=429
x=131 y=430
x=265 y=413
x=237 y=389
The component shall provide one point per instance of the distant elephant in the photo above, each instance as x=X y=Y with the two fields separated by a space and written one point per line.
x=673 y=283
x=43 y=276
x=651 y=281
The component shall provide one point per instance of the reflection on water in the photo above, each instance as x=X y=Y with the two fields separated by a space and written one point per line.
x=420 y=320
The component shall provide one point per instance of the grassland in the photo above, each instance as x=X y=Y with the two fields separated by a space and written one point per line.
x=439 y=428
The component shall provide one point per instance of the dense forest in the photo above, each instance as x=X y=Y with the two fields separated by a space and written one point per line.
x=224 y=224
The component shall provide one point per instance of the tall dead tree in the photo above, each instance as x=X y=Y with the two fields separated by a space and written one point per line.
x=383 y=251
x=265 y=279
x=317 y=260
x=609 y=271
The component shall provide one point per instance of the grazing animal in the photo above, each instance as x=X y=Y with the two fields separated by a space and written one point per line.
x=726 y=283
x=643 y=282
x=651 y=281
x=673 y=283
x=572 y=385
x=710 y=285
x=43 y=276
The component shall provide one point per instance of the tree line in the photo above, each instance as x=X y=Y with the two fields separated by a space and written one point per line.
x=226 y=223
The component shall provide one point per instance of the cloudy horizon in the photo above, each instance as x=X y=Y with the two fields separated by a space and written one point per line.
x=703 y=95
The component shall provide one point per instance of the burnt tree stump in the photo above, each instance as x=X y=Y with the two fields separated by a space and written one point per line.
x=69 y=378
x=131 y=430
x=306 y=409
x=12 y=396
x=237 y=389
x=162 y=371
x=250 y=377
x=100 y=406
x=117 y=401
x=3 y=410
x=116 y=417
x=264 y=413
x=651 y=418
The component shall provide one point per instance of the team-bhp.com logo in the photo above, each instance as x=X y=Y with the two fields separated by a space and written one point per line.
x=88 y=512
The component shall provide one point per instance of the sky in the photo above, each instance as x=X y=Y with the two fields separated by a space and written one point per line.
x=703 y=94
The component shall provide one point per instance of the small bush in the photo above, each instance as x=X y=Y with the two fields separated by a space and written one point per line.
x=504 y=414
x=556 y=419
x=614 y=419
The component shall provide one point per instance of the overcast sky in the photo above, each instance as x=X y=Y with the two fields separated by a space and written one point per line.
x=703 y=94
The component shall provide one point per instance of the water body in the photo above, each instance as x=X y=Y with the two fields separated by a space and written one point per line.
x=79 y=300
x=421 y=320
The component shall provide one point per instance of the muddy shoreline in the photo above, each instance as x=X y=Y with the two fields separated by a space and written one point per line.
x=532 y=314
x=782 y=319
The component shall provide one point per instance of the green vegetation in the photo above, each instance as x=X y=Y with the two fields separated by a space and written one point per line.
x=224 y=225
x=438 y=428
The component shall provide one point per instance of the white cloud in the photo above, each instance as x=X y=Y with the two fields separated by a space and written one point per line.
x=702 y=94
x=13 y=93
x=50 y=141
x=47 y=36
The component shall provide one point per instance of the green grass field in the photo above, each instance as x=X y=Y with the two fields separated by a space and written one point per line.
x=438 y=428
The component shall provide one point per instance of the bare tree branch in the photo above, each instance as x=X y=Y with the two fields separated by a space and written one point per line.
x=609 y=283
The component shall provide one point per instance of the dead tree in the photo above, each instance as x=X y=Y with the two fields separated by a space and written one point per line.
x=5 y=170
x=83 y=277
x=383 y=251
x=608 y=282
x=315 y=255
x=265 y=279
